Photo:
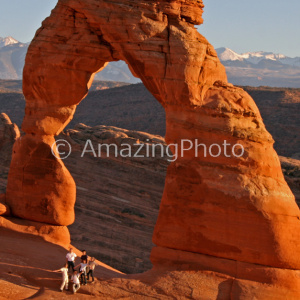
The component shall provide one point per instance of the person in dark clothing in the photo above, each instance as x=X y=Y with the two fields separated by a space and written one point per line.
x=84 y=256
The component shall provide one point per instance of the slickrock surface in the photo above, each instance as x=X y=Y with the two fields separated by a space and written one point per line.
x=26 y=266
x=117 y=198
x=25 y=272
x=232 y=210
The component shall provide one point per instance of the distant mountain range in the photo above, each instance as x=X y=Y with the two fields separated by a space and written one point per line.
x=252 y=68
x=226 y=54
x=260 y=68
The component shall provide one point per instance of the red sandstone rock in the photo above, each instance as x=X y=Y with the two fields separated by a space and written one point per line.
x=44 y=190
x=4 y=210
x=236 y=208
x=9 y=132
x=56 y=234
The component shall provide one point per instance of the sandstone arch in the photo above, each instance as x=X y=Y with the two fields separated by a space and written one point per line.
x=239 y=209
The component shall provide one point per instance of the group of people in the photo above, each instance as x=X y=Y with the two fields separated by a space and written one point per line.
x=79 y=276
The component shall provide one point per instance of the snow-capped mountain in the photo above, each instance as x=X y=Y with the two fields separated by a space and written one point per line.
x=7 y=41
x=226 y=54
x=12 y=57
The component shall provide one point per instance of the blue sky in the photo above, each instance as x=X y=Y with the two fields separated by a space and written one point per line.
x=269 y=25
x=237 y=24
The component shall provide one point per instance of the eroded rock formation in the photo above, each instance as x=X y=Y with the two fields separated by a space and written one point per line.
x=9 y=133
x=236 y=212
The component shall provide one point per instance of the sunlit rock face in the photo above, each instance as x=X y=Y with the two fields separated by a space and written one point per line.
x=227 y=207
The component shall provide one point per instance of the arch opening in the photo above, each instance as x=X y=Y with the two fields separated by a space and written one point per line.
x=118 y=198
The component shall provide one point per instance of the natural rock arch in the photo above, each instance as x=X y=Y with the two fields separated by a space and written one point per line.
x=239 y=209
x=173 y=60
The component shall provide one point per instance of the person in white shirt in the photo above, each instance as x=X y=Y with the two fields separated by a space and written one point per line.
x=92 y=265
x=76 y=283
x=65 y=277
x=82 y=270
x=70 y=257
